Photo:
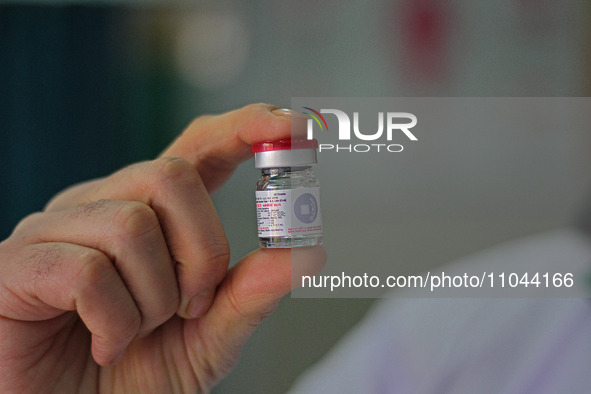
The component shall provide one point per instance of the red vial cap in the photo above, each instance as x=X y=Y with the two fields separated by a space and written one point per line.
x=286 y=144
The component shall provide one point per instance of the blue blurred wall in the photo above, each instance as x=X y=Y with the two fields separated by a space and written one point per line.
x=75 y=101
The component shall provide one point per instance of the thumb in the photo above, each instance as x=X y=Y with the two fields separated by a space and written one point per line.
x=249 y=293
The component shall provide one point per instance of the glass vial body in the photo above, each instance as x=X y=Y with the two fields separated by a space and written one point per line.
x=288 y=208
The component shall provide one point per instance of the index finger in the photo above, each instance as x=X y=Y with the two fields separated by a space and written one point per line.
x=215 y=145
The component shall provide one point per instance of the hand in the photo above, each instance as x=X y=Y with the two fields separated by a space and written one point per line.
x=121 y=284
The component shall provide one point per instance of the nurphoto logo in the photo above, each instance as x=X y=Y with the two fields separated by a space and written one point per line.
x=396 y=124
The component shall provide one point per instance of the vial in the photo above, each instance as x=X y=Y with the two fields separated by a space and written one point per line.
x=287 y=194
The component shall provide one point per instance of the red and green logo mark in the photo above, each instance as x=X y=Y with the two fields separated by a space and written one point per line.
x=317 y=117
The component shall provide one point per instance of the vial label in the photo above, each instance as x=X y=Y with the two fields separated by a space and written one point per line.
x=288 y=212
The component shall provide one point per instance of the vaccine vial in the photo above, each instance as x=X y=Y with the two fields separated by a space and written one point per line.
x=287 y=194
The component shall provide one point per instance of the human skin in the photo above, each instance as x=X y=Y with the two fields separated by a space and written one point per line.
x=122 y=284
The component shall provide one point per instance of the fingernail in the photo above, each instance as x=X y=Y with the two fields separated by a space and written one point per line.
x=198 y=305
x=287 y=112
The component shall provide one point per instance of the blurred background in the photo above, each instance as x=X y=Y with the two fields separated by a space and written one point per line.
x=89 y=86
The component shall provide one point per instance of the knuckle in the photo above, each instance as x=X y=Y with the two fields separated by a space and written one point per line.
x=262 y=315
x=130 y=326
x=251 y=310
x=135 y=219
x=174 y=169
x=29 y=221
x=121 y=328
x=168 y=308
x=217 y=254
x=95 y=268
x=213 y=264
x=235 y=305
x=97 y=274
x=198 y=121
x=166 y=305
x=257 y=107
